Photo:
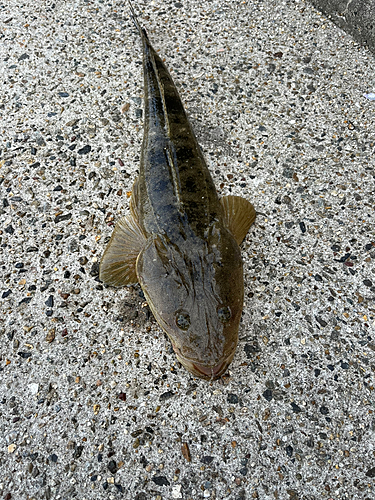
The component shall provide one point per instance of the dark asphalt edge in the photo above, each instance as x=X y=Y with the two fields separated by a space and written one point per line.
x=356 y=17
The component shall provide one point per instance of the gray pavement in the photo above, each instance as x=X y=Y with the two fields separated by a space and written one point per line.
x=93 y=403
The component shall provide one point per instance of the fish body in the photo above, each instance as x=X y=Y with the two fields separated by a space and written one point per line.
x=180 y=241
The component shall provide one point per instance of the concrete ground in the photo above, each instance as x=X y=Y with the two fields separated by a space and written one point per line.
x=93 y=403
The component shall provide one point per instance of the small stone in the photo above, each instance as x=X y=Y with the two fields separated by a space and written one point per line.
x=207 y=460
x=142 y=496
x=295 y=408
x=293 y=494
x=371 y=472
x=324 y=410
x=166 y=395
x=176 y=491
x=60 y=218
x=267 y=394
x=78 y=452
x=136 y=433
x=11 y=448
x=50 y=337
x=112 y=467
x=186 y=452
x=73 y=247
x=49 y=302
x=40 y=141
x=160 y=480
x=321 y=321
x=71 y=123
x=289 y=450
x=33 y=388
x=136 y=443
x=24 y=355
x=106 y=173
x=232 y=398
x=94 y=271
x=85 y=150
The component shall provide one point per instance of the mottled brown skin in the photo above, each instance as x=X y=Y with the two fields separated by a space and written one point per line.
x=190 y=267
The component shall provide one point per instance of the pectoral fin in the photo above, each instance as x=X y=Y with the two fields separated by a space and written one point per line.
x=239 y=214
x=117 y=267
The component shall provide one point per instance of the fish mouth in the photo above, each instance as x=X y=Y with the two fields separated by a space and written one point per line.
x=210 y=372
x=205 y=371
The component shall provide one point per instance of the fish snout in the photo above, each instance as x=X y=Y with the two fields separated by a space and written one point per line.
x=205 y=371
x=211 y=372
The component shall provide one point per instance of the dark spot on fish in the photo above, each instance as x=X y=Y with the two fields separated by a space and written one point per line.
x=190 y=185
x=224 y=314
x=183 y=320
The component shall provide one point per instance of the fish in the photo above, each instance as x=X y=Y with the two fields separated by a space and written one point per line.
x=180 y=241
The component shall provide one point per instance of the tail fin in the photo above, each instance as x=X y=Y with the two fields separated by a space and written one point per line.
x=141 y=30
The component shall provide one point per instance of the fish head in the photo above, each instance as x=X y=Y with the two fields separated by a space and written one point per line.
x=195 y=292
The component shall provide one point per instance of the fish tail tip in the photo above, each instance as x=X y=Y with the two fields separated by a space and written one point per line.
x=141 y=30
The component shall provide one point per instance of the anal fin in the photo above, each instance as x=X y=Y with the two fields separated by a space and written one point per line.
x=118 y=264
x=239 y=215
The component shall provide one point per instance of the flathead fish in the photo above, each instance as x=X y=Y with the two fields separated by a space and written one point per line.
x=180 y=241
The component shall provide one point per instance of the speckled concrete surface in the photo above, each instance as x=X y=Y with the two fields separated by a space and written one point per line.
x=92 y=401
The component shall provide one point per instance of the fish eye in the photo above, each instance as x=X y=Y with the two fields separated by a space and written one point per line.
x=224 y=314
x=183 y=320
